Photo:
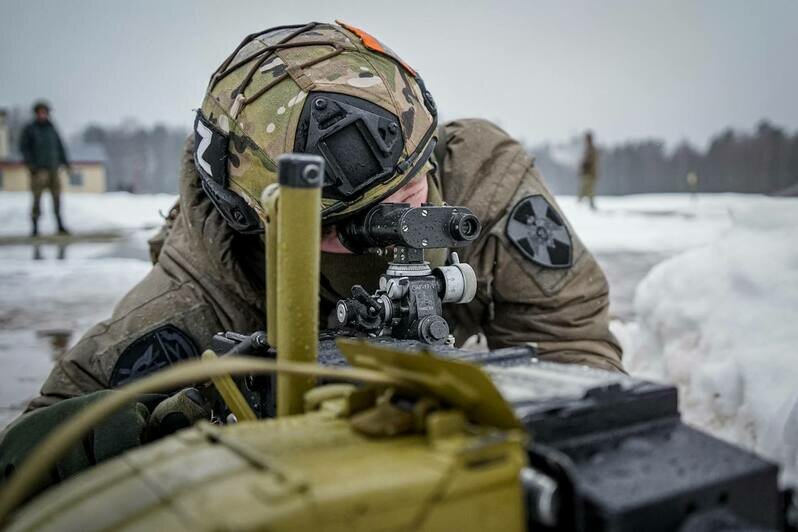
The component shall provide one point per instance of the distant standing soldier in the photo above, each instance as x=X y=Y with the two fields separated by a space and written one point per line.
x=44 y=154
x=588 y=171
x=692 y=184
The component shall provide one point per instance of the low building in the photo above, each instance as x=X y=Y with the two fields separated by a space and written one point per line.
x=88 y=172
x=87 y=160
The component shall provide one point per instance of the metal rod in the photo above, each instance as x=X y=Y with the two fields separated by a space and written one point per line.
x=270 y=201
x=298 y=256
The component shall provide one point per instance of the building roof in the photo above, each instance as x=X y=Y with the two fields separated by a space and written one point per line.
x=87 y=152
x=78 y=153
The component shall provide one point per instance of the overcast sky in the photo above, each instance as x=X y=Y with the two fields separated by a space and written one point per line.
x=543 y=70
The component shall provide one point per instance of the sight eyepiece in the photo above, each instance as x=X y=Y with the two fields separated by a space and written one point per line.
x=399 y=224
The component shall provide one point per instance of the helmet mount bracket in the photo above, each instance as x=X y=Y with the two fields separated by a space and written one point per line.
x=360 y=141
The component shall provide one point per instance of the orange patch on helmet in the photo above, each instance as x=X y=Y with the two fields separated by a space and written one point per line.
x=371 y=42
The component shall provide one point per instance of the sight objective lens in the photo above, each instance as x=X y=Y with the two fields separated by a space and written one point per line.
x=464 y=226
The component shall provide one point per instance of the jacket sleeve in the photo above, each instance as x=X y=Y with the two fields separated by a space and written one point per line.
x=589 y=161
x=25 y=145
x=562 y=312
x=62 y=153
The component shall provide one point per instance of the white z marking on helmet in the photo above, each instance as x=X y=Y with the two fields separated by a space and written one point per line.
x=205 y=136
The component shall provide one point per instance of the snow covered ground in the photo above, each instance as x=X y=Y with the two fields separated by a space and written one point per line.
x=51 y=294
x=46 y=305
x=85 y=212
x=656 y=223
x=705 y=292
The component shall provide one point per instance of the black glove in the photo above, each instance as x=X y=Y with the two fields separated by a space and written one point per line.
x=176 y=412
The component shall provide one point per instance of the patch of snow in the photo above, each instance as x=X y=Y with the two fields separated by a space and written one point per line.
x=660 y=223
x=50 y=293
x=25 y=366
x=719 y=321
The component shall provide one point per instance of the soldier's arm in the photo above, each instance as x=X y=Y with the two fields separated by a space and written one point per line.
x=162 y=320
x=562 y=311
x=25 y=146
x=556 y=300
x=62 y=152
x=170 y=315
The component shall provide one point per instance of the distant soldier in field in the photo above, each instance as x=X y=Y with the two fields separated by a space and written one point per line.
x=44 y=154
x=692 y=184
x=588 y=172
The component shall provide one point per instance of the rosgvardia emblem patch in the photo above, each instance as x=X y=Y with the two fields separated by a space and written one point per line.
x=539 y=233
x=162 y=347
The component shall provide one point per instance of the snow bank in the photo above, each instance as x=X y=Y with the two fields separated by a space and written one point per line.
x=85 y=212
x=721 y=322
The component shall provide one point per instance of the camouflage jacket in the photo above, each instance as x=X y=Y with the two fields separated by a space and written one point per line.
x=209 y=279
x=589 y=164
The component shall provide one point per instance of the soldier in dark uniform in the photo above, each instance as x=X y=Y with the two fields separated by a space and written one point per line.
x=537 y=283
x=44 y=154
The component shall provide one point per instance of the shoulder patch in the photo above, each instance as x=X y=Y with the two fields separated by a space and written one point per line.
x=162 y=347
x=539 y=233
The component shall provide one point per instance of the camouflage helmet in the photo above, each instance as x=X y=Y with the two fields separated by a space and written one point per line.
x=327 y=89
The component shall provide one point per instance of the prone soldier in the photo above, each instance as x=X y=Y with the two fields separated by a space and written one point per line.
x=336 y=91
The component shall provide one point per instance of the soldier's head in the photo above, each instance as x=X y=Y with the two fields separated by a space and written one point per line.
x=589 y=137
x=326 y=89
x=41 y=110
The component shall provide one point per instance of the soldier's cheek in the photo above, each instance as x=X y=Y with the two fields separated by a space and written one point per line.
x=331 y=244
x=415 y=193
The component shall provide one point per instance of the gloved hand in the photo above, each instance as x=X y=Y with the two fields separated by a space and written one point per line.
x=176 y=412
x=119 y=432
x=128 y=427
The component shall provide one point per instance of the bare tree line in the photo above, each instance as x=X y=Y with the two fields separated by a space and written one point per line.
x=762 y=161
x=139 y=159
x=146 y=159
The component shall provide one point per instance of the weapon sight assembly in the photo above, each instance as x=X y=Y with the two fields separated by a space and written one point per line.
x=408 y=303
